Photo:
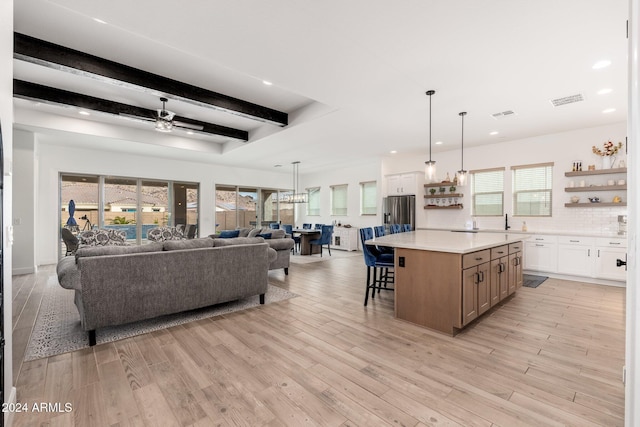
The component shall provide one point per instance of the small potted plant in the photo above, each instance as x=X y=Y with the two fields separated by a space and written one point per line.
x=442 y=189
x=432 y=191
x=452 y=189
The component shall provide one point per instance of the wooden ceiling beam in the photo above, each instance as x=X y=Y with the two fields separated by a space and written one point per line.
x=46 y=94
x=45 y=53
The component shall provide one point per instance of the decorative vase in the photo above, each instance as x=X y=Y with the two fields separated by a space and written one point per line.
x=607 y=162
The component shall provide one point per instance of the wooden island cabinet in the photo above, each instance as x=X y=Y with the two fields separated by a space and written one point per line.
x=445 y=280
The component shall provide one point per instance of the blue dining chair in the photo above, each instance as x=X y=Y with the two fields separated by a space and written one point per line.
x=379 y=232
x=288 y=228
x=395 y=228
x=375 y=259
x=325 y=239
x=318 y=226
x=306 y=226
x=406 y=227
x=274 y=226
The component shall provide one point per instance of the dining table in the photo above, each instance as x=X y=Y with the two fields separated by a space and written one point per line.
x=306 y=236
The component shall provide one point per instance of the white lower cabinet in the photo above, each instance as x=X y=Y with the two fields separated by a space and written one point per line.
x=576 y=255
x=608 y=251
x=541 y=253
x=582 y=256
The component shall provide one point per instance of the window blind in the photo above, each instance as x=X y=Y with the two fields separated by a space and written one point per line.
x=487 y=192
x=532 y=188
x=368 y=198
x=313 y=207
x=339 y=199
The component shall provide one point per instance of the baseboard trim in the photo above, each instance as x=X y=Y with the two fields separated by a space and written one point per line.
x=24 y=270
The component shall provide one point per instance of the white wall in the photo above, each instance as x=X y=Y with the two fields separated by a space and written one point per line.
x=632 y=357
x=562 y=149
x=6 y=117
x=51 y=159
x=24 y=206
x=352 y=176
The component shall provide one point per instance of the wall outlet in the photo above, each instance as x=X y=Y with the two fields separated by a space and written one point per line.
x=401 y=261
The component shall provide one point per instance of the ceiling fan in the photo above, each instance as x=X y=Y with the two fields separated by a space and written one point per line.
x=165 y=120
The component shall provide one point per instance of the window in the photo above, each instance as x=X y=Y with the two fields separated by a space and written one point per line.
x=532 y=189
x=368 y=198
x=313 y=207
x=487 y=192
x=339 y=199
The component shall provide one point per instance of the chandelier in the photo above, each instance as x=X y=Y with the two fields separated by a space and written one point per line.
x=295 y=196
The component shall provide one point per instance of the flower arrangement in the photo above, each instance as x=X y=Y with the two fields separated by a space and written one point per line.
x=609 y=149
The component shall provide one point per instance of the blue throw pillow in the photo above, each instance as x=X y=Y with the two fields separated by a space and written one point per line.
x=228 y=234
x=264 y=236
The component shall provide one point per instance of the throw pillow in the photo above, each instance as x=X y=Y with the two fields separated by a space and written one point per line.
x=229 y=234
x=265 y=236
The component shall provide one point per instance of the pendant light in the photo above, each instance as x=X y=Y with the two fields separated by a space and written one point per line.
x=295 y=196
x=430 y=166
x=462 y=174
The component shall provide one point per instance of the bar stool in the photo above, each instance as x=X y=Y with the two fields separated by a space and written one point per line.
x=373 y=258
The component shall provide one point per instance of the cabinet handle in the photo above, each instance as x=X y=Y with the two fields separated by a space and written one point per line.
x=517 y=260
x=588 y=252
x=478 y=259
x=614 y=243
x=501 y=267
x=476 y=278
x=574 y=241
x=539 y=245
x=538 y=238
x=500 y=252
x=598 y=253
x=481 y=273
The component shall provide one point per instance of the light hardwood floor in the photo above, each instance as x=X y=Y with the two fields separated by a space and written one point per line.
x=549 y=356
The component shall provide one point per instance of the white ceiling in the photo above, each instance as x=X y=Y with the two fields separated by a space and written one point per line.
x=351 y=74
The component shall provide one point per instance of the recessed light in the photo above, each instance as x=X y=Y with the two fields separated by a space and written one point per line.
x=99 y=21
x=604 y=91
x=393 y=151
x=495 y=132
x=609 y=110
x=601 y=64
x=267 y=83
x=189 y=132
x=84 y=113
x=438 y=142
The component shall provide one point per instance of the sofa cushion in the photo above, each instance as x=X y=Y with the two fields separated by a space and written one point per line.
x=280 y=233
x=265 y=236
x=281 y=244
x=229 y=234
x=173 y=245
x=68 y=273
x=254 y=232
x=117 y=250
x=243 y=232
x=161 y=234
x=237 y=241
x=102 y=237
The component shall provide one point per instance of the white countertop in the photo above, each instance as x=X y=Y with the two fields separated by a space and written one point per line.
x=445 y=241
x=537 y=232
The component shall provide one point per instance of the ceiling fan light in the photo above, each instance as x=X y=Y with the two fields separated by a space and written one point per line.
x=163 y=125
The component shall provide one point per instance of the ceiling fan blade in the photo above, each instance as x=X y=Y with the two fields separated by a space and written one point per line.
x=193 y=126
x=136 y=117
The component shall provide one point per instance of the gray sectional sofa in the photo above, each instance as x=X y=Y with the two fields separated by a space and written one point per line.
x=278 y=241
x=121 y=284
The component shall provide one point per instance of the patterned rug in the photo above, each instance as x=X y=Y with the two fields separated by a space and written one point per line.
x=57 y=329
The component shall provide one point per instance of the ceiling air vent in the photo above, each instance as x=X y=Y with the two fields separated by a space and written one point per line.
x=567 y=100
x=503 y=114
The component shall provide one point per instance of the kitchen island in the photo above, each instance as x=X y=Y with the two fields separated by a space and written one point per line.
x=444 y=280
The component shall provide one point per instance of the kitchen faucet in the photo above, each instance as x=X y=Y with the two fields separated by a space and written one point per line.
x=506 y=222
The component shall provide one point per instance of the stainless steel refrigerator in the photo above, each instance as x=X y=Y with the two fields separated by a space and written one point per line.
x=399 y=210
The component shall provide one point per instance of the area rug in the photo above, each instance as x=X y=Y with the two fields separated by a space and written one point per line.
x=57 y=328
x=531 y=281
